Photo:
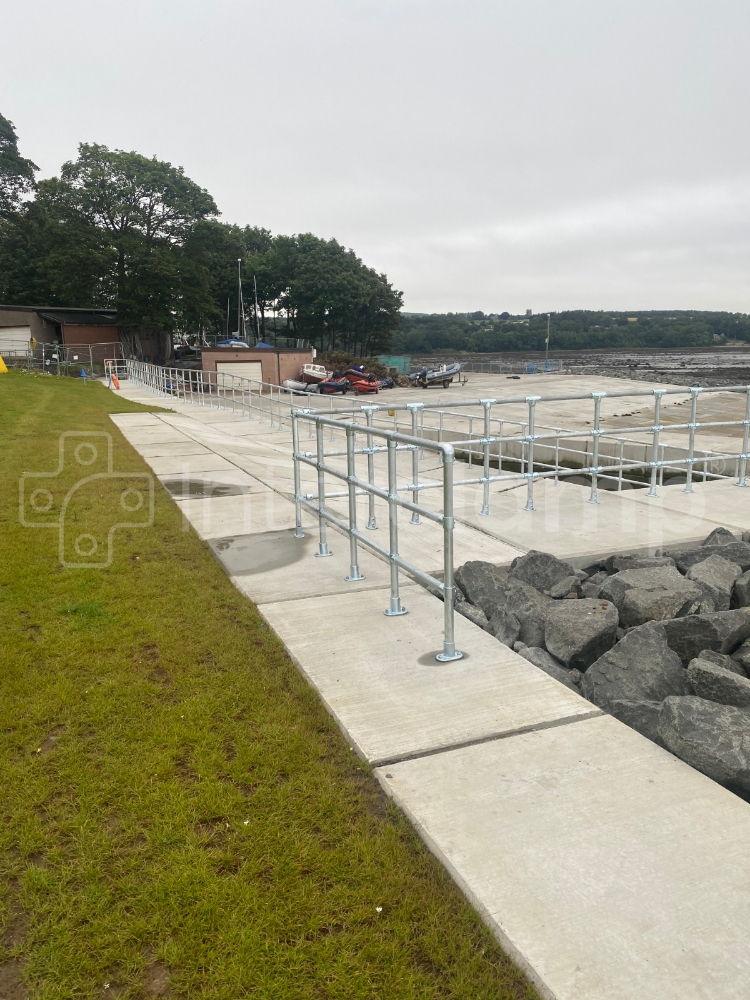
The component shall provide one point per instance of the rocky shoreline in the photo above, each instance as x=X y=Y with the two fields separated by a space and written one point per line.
x=661 y=642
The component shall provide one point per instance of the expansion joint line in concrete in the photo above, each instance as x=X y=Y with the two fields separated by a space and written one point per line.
x=492 y=738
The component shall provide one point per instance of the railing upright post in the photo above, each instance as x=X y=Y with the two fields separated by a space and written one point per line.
x=532 y=401
x=415 y=408
x=449 y=590
x=691 y=439
x=298 y=532
x=741 y=480
x=596 y=434
x=372 y=523
x=395 y=607
x=354 y=573
x=557 y=457
x=485 y=511
x=323 y=549
x=622 y=459
x=656 y=429
x=500 y=450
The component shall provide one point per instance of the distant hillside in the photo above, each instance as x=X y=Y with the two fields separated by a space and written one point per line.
x=574 y=330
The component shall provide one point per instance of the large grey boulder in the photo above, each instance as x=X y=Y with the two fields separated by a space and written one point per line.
x=737 y=552
x=742 y=590
x=615 y=564
x=530 y=608
x=720 y=536
x=642 y=595
x=720 y=660
x=590 y=587
x=540 y=570
x=641 y=667
x=718 y=684
x=578 y=632
x=722 y=631
x=716 y=577
x=712 y=738
x=643 y=716
x=483 y=584
x=569 y=586
x=542 y=659
x=504 y=626
x=742 y=656
x=474 y=614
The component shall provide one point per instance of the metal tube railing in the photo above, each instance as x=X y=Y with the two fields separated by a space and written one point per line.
x=394 y=443
x=547 y=450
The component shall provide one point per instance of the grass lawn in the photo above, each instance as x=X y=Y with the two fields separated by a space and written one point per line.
x=179 y=815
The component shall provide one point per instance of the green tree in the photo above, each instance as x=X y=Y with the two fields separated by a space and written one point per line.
x=16 y=172
x=147 y=209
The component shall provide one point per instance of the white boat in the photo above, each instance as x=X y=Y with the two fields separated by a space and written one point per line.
x=312 y=374
x=293 y=386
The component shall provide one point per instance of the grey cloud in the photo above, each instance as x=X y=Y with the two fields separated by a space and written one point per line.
x=484 y=154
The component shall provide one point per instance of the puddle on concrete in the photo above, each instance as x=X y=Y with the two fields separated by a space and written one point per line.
x=192 y=489
x=244 y=555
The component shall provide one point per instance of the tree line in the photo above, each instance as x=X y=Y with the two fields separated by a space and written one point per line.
x=572 y=330
x=122 y=231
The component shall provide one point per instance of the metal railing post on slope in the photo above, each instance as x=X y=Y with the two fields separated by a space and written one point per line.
x=449 y=590
x=298 y=532
x=354 y=573
x=395 y=607
x=323 y=549
x=485 y=511
x=415 y=408
x=532 y=401
x=656 y=429
x=691 y=439
x=596 y=433
x=745 y=441
x=372 y=523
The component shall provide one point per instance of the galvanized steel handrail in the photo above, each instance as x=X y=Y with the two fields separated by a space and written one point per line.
x=531 y=435
x=356 y=486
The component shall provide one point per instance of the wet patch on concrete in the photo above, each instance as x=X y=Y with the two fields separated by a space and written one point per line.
x=195 y=489
x=245 y=555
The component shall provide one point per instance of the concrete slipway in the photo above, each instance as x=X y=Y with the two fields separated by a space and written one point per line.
x=609 y=869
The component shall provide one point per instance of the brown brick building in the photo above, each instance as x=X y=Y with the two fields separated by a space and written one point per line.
x=266 y=364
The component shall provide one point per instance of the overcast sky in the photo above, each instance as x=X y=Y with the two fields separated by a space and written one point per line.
x=485 y=154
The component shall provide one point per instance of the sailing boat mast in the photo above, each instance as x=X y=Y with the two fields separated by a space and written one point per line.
x=240 y=304
x=257 y=320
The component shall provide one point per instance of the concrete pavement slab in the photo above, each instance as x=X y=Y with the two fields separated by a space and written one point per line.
x=241 y=515
x=275 y=566
x=226 y=482
x=608 y=868
x=391 y=696
x=567 y=525
x=422 y=544
x=184 y=465
x=171 y=448
x=719 y=501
